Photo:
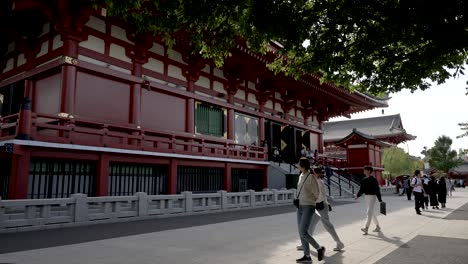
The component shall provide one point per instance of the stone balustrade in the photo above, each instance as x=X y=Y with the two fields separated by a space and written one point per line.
x=36 y=214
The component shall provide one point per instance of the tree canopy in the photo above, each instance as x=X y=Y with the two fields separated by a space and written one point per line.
x=441 y=156
x=374 y=46
x=397 y=162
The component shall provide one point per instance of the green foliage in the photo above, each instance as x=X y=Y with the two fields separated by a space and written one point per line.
x=397 y=162
x=441 y=156
x=374 y=46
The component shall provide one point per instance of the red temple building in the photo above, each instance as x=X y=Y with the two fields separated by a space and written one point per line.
x=89 y=106
x=360 y=142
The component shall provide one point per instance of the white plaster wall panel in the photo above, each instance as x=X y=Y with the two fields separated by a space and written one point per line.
x=315 y=121
x=94 y=43
x=207 y=68
x=292 y=112
x=251 y=85
x=91 y=60
x=11 y=47
x=21 y=59
x=269 y=104
x=277 y=95
x=218 y=73
x=299 y=114
x=252 y=98
x=57 y=42
x=154 y=65
x=278 y=107
x=175 y=55
x=112 y=67
x=240 y=94
x=118 y=52
x=44 y=49
x=299 y=104
x=175 y=72
x=45 y=29
x=203 y=82
x=158 y=49
x=118 y=32
x=218 y=87
x=9 y=65
x=97 y=24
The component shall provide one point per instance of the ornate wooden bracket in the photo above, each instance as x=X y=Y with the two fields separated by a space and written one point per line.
x=195 y=65
x=233 y=74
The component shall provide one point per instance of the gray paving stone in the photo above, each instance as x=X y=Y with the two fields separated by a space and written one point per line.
x=429 y=250
x=459 y=214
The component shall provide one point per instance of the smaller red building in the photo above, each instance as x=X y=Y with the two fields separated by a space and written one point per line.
x=360 y=142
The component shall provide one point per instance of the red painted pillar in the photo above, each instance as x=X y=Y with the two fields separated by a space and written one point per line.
x=19 y=176
x=24 y=126
x=69 y=76
x=135 y=97
x=265 y=177
x=320 y=138
x=190 y=109
x=231 y=116
x=172 y=177
x=227 y=181
x=102 y=179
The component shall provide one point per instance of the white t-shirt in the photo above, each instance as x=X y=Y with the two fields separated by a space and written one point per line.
x=416 y=181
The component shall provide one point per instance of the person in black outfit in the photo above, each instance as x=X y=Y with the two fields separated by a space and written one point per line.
x=433 y=189
x=425 y=181
x=370 y=187
x=442 y=193
x=418 y=191
x=408 y=188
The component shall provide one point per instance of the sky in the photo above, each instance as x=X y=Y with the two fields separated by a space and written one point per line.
x=428 y=114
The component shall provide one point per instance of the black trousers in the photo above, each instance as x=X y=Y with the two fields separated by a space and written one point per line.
x=426 y=200
x=408 y=193
x=418 y=201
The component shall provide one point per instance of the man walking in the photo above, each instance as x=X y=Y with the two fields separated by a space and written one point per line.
x=408 y=188
x=418 y=191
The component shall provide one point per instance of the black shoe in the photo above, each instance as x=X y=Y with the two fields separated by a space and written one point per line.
x=419 y=212
x=304 y=259
x=320 y=253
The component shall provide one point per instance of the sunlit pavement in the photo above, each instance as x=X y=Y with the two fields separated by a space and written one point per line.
x=266 y=238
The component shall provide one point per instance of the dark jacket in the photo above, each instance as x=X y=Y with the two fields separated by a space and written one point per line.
x=370 y=186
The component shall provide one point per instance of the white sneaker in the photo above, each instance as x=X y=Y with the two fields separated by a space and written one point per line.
x=377 y=229
x=339 y=246
x=364 y=230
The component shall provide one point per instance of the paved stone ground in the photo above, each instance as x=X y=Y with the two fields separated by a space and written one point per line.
x=459 y=214
x=263 y=238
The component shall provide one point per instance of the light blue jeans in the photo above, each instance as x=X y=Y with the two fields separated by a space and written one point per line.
x=304 y=219
x=323 y=215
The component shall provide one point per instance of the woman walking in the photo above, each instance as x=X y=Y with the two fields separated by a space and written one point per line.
x=321 y=213
x=308 y=193
x=433 y=189
x=370 y=187
x=442 y=194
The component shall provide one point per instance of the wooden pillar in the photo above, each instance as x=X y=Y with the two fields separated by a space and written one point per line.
x=190 y=109
x=231 y=119
x=102 y=177
x=320 y=138
x=24 y=126
x=227 y=181
x=172 y=177
x=19 y=179
x=69 y=71
x=135 y=97
x=265 y=177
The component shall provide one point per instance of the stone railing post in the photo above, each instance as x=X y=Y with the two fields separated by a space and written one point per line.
x=275 y=196
x=188 y=202
x=81 y=207
x=252 y=197
x=224 y=203
x=142 y=203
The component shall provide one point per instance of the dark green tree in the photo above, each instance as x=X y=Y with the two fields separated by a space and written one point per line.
x=441 y=156
x=374 y=46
